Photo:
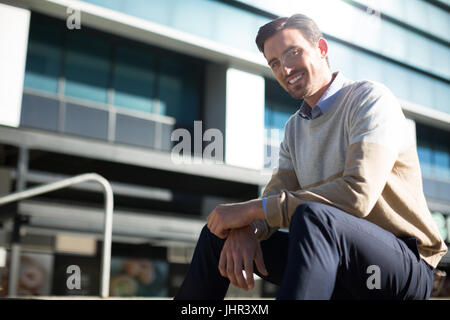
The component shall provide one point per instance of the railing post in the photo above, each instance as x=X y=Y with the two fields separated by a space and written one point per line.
x=13 y=278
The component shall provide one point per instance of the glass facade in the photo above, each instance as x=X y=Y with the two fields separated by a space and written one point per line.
x=85 y=74
x=211 y=19
x=416 y=13
x=406 y=84
x=44 y=58
x=367 y=30
x=86 y=67
x=434 y=152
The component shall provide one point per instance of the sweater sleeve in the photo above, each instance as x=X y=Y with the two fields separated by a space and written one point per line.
x=376 y=126
x=283 y=178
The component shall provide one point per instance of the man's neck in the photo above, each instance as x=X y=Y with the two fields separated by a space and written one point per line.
x=312 y=100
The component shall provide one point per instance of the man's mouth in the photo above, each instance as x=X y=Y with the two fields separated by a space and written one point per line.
x=295 y=79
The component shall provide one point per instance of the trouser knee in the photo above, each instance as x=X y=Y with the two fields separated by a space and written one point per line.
x=308 y=212
x=208 y=238
x=305 y=211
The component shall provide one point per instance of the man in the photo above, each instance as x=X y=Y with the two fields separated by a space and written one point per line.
x=348 y=187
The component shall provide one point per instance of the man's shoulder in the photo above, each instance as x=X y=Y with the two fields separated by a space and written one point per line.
x=368 y=87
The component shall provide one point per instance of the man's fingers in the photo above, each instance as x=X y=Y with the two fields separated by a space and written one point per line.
x=211 y=224
x=230 y=270
x=259 y=261
x=223 y=264
x=224 y=234
x=238 y=273
x=248 y=266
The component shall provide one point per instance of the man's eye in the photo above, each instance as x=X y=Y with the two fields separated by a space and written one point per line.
x=275 y=65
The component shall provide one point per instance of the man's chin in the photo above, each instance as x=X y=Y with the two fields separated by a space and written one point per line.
x=297 y=94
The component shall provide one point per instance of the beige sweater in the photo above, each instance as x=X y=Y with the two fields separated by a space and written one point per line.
x=359 y=157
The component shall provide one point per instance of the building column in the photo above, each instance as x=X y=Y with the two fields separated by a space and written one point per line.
x=244 y=133
x=14 y=28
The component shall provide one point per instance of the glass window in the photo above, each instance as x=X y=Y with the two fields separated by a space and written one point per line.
x=135 y=131
x=397 y=79
x=241 y=33
x=97 y=67
x=342 y=59
x=422 y=91
x=43 y=57
x=178 y=88
x=426 y=159
x=442 y=96
x=196 y=16
x=111 y=4
x=416 y=13
x=278 y=109
x=434 y=152
x=368 y=68
x=39 y=112
x=158 y=11
x=87 y=67
x=395 y=40
x=405 y=83
x=441 y=57
x=134 y=79
x=86 y=122
x=419 y=53
x=442 y=163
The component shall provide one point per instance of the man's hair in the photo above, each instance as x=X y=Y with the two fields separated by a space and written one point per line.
x=304 y=24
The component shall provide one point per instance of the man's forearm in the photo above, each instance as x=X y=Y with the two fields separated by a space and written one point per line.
x=257 y=210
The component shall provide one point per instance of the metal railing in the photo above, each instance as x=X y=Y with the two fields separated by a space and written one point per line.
x=109 y=204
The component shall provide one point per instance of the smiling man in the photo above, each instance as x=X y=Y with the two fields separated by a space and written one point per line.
x=348 y=187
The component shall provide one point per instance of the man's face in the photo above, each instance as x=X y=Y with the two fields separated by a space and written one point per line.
x=297 y=65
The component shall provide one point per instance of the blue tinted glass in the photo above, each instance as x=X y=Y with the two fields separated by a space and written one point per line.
x=178 y=88
x=442 y=163
x=397 y=79
x=421 y=92
x=279 y=106
x=280 y=118
x=425 y=159
x=134 y=79
x=87 y=67
x=241 y=32
x=368 y=68
x=441 y=96
x=342 y=59
x=417 y=13
x=221 y=22
x=267 y=117
x=406 y=84
x=111 y=4
x=155 y=10
x=43 y=57
x=195 y=16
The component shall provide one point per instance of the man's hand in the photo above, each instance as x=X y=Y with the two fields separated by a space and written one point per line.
x=229 y=216
x=238 y=253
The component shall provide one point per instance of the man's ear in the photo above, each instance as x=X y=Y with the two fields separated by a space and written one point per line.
x=323 y=47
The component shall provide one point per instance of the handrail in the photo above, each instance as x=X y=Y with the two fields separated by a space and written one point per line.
x=109 y=204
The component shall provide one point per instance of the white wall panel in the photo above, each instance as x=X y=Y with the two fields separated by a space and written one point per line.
x=244 y=141
x=14 y=26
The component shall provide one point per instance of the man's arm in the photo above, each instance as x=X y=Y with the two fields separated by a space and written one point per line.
x=283 y=178
x=225 y=217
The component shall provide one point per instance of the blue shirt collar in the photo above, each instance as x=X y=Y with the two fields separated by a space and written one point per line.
x=326 y=101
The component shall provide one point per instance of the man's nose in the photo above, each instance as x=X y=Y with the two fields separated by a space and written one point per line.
x=287 y=70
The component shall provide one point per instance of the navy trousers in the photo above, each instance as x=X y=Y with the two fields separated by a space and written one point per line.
x=327 y=254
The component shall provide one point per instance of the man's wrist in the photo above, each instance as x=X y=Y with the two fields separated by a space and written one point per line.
x=255 y=227
x=257 y=211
